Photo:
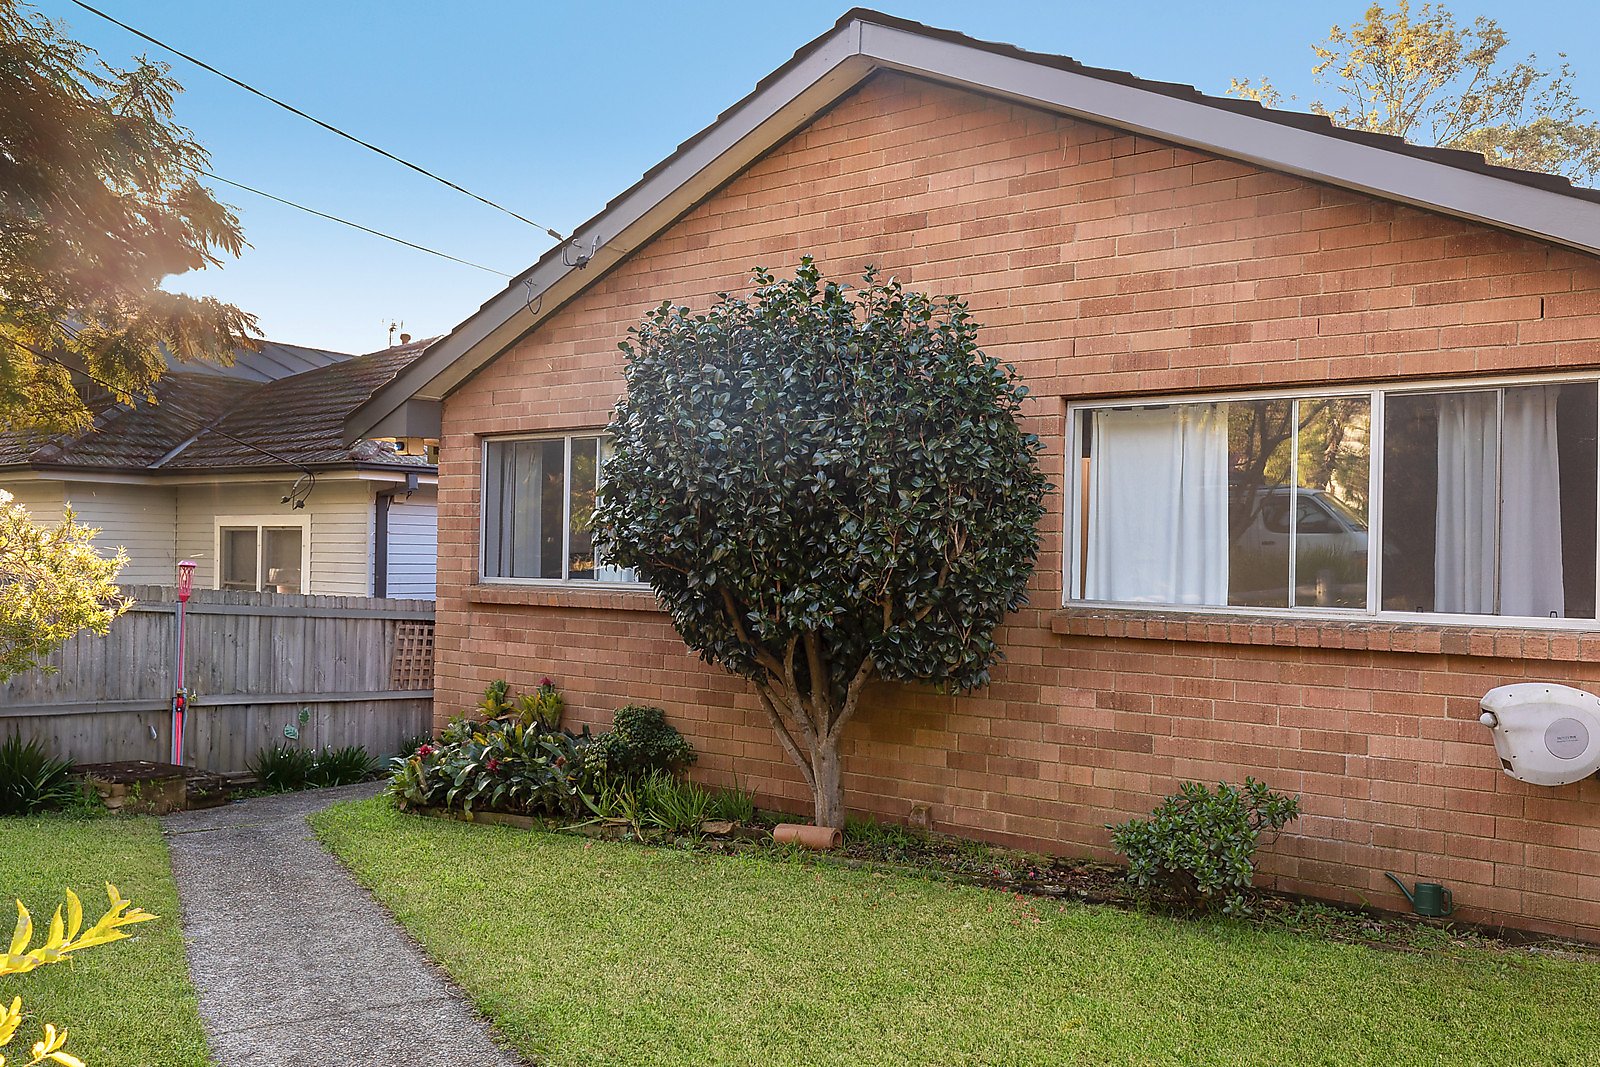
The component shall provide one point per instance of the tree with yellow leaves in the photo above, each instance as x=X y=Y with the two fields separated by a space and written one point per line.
x=1430 y=79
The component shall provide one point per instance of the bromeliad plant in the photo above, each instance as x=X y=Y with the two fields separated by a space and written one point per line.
x=501 y=765
x=65 y=937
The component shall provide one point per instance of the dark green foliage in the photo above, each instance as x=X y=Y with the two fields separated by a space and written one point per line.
x=824 y=484
x=500 y=765
x=735 y=804
x=283 y=768
x=342 y=766
x=31 y=780
x=640 y=742
x=1197 y=849
x=409 y=746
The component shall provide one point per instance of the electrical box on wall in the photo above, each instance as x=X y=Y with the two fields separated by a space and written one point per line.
x=1546 y=734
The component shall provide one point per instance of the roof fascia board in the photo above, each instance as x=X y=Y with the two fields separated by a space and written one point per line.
x=1377 y=171
x=426 y=475
x=727 y=147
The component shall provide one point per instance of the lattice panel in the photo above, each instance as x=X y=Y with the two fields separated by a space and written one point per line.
x=413 y=656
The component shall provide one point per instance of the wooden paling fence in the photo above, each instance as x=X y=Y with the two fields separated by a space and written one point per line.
x=332 y=670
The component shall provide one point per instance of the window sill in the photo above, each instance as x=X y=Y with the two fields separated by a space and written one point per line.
x=611 y=598
x=1501 y=642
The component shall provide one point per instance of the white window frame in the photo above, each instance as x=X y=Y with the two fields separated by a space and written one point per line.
x=1071 y=574
x=261 y=522
x=565 y=437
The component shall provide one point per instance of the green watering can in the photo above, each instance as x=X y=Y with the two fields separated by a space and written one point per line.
x=1430 y=898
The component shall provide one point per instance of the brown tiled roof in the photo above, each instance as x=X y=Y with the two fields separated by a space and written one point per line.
x=209 y=422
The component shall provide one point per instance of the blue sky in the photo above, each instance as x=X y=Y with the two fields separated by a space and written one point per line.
x=552 y=109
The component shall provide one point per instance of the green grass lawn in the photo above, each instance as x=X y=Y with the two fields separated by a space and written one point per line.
x=589 y=952
x=127 y=1004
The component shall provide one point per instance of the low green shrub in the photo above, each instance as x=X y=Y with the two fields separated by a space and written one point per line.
x=1197 y=850
x=342 y=766
x=283 y=768
x=734 y=804
x=32 y=780
x=640 y=742
x=500 y=765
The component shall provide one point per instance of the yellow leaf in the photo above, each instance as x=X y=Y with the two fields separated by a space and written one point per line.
x=66 y=1059
x=56 y=936
x=10 y=1019
x=23 y=933
x=74 y=915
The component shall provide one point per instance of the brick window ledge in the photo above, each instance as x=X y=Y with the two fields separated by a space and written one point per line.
x=1371 y=636
x=562 y=596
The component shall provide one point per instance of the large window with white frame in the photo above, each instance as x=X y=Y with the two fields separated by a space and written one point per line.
x=538 y=509
x=1474 y=499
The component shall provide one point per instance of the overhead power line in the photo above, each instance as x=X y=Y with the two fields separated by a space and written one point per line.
x=352 y=225
x=202 y=64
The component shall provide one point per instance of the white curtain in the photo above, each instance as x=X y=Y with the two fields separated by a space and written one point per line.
x=1158 y=506
x=1531 y=580
x=1463 y=562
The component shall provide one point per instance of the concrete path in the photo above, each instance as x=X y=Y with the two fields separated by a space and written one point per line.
x=295 y=963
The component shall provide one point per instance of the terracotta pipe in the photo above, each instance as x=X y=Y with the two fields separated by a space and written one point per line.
x=820 y=838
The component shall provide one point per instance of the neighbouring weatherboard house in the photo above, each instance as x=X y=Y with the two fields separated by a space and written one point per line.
x=202 y=474
x=1320 y=407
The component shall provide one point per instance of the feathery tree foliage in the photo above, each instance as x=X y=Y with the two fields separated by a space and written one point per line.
x=824 y=485
x=1434 y=81
x=52 y=584
x=100 y=200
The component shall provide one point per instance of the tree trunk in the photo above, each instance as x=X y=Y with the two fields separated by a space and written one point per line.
x=827 y=793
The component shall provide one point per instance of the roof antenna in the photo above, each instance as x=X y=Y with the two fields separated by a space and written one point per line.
x=395 y=325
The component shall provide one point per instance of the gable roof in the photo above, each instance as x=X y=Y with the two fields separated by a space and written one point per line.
x=864 y=42
x=211 y=422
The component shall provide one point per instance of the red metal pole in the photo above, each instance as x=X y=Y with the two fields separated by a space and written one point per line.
x=180 y=695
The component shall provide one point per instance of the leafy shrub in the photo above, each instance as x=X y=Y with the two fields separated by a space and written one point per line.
x=282 y=768
x=31 y=780
x=640 y=742
x=500 y=764
x=409 y=745
x=662 y=801
x=1197 y=848
x=342 y=766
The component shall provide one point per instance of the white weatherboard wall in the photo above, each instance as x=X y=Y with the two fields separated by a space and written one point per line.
x=413 y=545
x=339 y=514
x=137 y=518
x=44 y=500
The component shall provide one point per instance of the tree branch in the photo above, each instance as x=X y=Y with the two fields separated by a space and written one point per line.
x=852 y=697
x=768 y=661
x=785 y=738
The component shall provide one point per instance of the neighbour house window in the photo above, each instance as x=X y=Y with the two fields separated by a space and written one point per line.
x=1470 y=500
x=260 y=558
x=538 y=509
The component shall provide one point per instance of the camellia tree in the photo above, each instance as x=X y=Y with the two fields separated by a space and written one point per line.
x=824 y=485
x=52 y=585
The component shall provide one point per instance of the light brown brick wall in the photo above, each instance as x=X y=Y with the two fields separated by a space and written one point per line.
x=1100 y=263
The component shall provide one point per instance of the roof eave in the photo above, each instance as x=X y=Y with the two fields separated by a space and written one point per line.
x=863 y=43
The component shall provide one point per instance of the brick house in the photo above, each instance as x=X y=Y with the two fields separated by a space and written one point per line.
x=1314 y=341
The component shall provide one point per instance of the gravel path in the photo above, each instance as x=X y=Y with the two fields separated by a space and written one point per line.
x=295 y=964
